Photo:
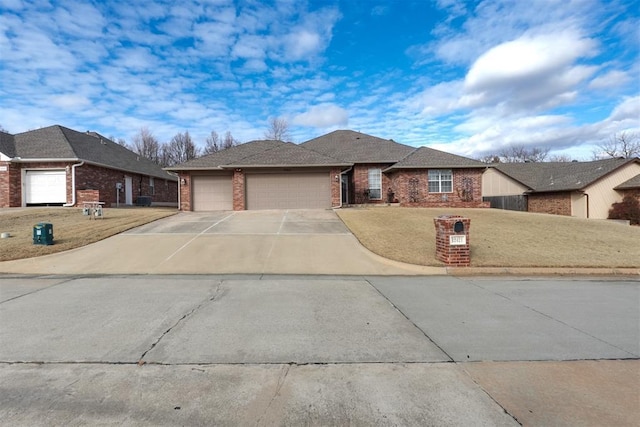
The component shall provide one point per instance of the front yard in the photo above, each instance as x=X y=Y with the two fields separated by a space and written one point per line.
x=498 y=238
x=70 y=228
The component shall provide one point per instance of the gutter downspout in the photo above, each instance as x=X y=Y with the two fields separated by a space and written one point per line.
x=587 y=196
x=73 y=185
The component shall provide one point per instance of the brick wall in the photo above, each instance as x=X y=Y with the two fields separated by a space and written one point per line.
x=238 y=190
x=88 y=177
x=335 y=187
x=411 y=188
x=360 y=183
x=185 y=191
x=5 y=186
x=551 y=203
x=104 y=180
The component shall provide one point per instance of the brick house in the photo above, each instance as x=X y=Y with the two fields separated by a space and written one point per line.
x=57 y=166
x=340 y=168
x=580 y=189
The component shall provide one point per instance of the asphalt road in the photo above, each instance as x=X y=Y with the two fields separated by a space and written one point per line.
x=318 y=350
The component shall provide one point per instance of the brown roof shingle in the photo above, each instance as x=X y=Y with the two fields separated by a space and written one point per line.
x=355 y=147
x=60 y=143
x=425 y=157
x=560 y=176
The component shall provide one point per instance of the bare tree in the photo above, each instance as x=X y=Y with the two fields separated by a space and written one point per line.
x=179 y=150
x=278 y=129
x=564 y=158
x=229 y=141
x=146 y=145
x=490 y=158
x=623 y=144
x=212 y=143
x=119 y=141
x=522 y=154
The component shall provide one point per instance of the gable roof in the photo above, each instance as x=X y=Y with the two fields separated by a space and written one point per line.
x=261 y=153
x=57 y=143
x=356 y=147
x=7 y=144
x=631 y=184
x=425 y=157
x=560 y=176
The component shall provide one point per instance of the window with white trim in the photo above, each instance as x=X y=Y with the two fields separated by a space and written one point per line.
x=152 y=188
x=440 y=181
x=375 y=184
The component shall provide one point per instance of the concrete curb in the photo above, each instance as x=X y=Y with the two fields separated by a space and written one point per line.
x=541 y=271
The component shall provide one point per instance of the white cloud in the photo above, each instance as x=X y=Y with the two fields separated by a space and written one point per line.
x=611 y=79
x=526 y=58
x=323 y=116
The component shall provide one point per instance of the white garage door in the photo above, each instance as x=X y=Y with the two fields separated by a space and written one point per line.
x=46 y=187
x=212 y=193
x=289 y=191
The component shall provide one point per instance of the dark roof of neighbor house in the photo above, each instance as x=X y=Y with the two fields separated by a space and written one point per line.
x=631 y=184
x=543 y=177
x=356 y=147
x=7 y=144
x=425 y=157
x=261 y=153
x=64 y=144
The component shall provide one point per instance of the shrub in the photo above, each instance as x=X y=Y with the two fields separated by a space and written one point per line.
x=628 y=208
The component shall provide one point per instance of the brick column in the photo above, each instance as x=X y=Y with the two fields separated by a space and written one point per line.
x=238 y=190
x=452 y=240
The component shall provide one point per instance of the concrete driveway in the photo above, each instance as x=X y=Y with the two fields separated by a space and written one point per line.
x=252 y=242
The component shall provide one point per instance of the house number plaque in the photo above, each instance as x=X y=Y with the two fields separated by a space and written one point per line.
x=457 y=239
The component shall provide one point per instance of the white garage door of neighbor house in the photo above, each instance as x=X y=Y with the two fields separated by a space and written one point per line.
x=289 y=191
x=212 y=193
x=45 y=187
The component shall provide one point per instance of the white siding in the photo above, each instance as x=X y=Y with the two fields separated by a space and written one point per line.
x=602 y=194
x=495 y=183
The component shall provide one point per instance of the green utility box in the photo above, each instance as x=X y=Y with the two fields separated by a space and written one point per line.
x=43 y=234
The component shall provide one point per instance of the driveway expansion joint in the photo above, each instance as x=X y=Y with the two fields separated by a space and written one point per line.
x=410 y=321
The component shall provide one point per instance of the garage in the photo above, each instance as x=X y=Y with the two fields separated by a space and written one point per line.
x=288 y=190
x=212 y=193
x=45 y=187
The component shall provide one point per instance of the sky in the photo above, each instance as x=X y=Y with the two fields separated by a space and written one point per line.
x=467 y=77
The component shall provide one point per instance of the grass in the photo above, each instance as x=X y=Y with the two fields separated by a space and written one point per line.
x=498 y=238
x=70 y=228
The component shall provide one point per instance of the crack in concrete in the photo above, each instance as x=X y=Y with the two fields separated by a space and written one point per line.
x=553 y=318
x=209 y=299
x=279 y=385
x=41 y=289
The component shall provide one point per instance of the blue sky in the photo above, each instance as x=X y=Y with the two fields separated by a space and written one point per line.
x=461 y=76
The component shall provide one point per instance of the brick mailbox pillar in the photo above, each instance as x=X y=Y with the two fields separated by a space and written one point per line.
x=452 y=240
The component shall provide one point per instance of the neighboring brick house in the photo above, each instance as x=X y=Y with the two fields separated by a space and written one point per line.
x=580 y=189
x=630 y=187
x=57 y=166
x=340 y=168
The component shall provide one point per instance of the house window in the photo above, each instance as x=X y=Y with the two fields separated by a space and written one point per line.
x=152 y=188
x=440 y=181
x=375 y=184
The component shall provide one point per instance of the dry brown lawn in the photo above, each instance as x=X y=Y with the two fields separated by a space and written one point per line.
x=70 y=228
x=498 y=238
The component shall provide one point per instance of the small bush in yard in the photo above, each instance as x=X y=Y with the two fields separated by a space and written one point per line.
x=628 y=208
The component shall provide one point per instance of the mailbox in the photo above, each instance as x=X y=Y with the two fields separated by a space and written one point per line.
x=452 y=240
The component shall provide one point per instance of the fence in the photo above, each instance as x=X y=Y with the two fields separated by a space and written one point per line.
x=510 y=203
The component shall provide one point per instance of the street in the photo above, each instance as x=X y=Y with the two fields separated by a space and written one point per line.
x=318 y=350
